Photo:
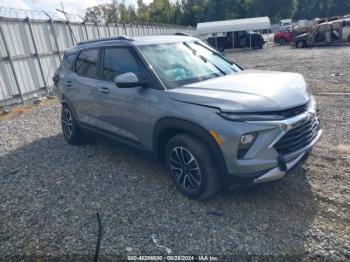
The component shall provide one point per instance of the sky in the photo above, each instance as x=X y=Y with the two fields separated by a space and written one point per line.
x=71 y=6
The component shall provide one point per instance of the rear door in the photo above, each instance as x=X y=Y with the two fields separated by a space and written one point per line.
x=123 y=112
x=81 y=85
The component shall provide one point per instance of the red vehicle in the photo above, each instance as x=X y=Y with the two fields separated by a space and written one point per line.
x=283 y=38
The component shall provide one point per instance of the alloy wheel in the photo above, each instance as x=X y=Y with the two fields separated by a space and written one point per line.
x=185 y=169
x=67 y=123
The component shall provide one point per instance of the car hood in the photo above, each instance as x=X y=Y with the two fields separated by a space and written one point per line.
x=246 y=91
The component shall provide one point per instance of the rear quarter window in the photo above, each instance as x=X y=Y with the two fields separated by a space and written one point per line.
x=67 y=63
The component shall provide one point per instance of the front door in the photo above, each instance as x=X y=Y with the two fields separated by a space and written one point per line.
x=123 y=112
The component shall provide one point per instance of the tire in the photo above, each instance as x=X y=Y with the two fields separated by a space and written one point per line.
x=282 y=41
x=191 y=167
x=300 y=44
x=257 y=45
x=70 y=128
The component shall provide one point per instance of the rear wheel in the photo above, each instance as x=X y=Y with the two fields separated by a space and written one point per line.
x=70 y=129
x=191 y=167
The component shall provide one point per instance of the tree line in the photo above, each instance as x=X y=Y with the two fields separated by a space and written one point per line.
x=191 y=12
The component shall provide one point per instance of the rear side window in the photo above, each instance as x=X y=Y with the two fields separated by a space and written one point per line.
x=86 y=64
x=118 y=61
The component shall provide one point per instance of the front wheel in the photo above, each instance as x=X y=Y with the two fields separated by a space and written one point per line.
x=70 y=129
x=191 y=167
x=300 y=44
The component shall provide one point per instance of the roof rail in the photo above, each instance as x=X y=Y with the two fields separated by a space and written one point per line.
x=181 y=34
x=125 y=38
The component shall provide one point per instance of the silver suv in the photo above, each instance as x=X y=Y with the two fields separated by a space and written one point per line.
x=210 y=121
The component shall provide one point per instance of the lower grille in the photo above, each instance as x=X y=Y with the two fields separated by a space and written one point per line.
x=298 y=137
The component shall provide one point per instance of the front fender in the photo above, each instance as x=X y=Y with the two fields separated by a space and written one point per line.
x=169 y=126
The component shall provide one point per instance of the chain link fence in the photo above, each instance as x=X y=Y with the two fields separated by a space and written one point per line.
x=31 y=49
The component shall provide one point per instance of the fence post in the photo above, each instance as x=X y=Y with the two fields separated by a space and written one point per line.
x=71 y=33
x=124 y=28
x=86 y=31
x=143 y=30
x=54 y=36
x=37 y=54
x=108 y=29
x=138 y=29
x=98 y=31
x=117 y=26
x=11 y=64
x=131 y=30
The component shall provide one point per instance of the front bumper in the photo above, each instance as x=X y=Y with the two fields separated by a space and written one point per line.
x=279 y=145
x=284 y=167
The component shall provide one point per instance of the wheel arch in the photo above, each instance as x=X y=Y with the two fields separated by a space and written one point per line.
x=67 y=102
x=168 y=127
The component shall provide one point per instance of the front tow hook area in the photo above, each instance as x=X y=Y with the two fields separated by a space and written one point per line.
x=280 y=171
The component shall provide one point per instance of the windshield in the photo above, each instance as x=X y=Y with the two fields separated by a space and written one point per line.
x=178 y=64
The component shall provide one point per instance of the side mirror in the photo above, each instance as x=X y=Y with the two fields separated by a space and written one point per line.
x=128 y=80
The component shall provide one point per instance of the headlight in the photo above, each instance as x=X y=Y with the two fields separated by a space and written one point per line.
x=245 y=143
x=241 y=117
x=312 y=106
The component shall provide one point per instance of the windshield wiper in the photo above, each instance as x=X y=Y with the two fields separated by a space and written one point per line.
x=219 y=55
x=215 y=53
x=203 y=58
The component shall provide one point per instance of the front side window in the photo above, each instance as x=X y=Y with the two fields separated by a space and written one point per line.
x=118 y=61
x=86 y=64
x=178 y=64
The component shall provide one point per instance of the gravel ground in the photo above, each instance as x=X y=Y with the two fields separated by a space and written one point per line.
x=326 y=69
x=50 y=191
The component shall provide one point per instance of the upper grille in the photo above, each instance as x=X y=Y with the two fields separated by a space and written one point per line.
x=298 y=137
x=294 y=111
x=288 y=113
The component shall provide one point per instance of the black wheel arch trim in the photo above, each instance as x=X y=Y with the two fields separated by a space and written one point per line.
x=184 y=126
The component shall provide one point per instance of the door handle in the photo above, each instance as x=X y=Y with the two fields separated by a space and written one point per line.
x=68 y=83
x=104 y=90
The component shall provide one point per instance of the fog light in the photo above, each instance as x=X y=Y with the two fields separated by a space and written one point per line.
x=247 y=139
x=245 y=143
